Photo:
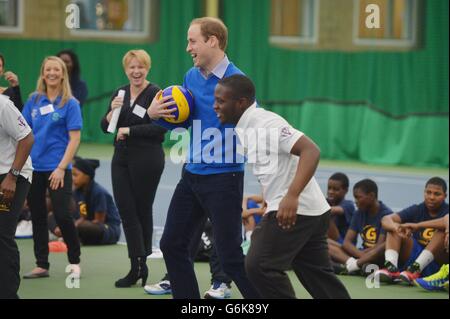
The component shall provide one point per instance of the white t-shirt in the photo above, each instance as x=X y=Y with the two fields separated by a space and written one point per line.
x=268 y=140
x=13 y=128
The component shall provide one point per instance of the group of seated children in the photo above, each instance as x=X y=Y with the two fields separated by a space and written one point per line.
x=410 y=246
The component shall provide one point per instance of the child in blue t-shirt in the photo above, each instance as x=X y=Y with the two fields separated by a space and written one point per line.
x=365 y=239
x=342 y=210
x=423 y=252
x=253 y=208
x=98 y=221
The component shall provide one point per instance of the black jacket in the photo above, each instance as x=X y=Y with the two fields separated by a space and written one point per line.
x=142 y=130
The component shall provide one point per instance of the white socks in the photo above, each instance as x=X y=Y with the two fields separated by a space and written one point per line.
x=248 y=235
x=352 y=265
x=424 y=259
x=391 y=256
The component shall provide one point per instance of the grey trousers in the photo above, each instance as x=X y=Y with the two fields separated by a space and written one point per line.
x=302 y=248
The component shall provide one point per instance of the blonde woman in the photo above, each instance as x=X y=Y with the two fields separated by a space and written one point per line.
x=54 y=116
x=137 y=163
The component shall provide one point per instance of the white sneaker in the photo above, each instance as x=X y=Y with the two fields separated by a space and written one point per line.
x=24 y=229
x=161 y=288
x=219 y=290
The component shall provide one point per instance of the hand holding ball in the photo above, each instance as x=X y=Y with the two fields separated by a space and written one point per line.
x=184 y=103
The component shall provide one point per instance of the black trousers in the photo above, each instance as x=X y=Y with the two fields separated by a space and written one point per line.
x=136 y=172
x=9 y=254
x=302 y=248
x=217 y=273
x=60 y=199
x=219 y=197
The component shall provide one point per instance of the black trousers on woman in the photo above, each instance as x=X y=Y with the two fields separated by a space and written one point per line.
x=9 y=254
x=136 y=171
x=60 y=199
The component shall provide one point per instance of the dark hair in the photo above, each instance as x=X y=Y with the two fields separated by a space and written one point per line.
x=241 y=86
x=76 y=70
x=340 y=177
x=438 y=182
x=3 y=59
x=367 y=186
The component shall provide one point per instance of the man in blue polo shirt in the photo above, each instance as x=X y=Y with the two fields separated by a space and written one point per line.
x=211 y=184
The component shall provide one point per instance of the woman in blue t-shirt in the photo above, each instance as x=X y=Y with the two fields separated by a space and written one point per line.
x=55 y=118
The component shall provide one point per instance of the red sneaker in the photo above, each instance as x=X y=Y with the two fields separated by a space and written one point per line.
x=387 y=276
x=410 y=274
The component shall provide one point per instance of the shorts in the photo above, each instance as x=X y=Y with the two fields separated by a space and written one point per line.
x=432 y=268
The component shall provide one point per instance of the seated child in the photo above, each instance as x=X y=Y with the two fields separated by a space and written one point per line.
x=365 y=224
x=253 y=208
x=422 y=253
x=342 y=210
x=96 y=219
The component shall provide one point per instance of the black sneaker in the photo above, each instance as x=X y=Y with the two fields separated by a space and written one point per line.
x=339 y=269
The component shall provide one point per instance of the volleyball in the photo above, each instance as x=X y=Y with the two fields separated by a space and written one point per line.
x=184 y=103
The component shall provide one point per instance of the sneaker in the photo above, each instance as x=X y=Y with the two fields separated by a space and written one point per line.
x=37 y=273
x=339 y=269
x=389 y=274
x=366 y=270
x=218 y=290
x=434 y=282
x=161 y=288
x=410 y=274
x=24 y=229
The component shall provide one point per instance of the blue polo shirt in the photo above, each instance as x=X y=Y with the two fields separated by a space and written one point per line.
x=419 y=213
x=97 y=200
x=212 y=148
x=51 y=129
x=368 y=226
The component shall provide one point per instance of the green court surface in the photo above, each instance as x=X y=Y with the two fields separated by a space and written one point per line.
x=102 y=265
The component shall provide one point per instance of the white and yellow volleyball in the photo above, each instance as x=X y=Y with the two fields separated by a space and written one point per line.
x=184 y=103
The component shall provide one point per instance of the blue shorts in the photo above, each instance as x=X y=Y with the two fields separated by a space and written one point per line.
x=432 y=268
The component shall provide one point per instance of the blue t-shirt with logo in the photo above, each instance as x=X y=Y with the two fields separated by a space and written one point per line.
x=419 y=213
x=368 y=226
x=96 y=200
x=51 y=124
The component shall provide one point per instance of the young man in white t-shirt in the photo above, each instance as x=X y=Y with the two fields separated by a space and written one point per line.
x=16 y=140
x=293 y=231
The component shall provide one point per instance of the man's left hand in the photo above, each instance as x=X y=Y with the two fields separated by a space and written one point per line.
x=287 y=211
